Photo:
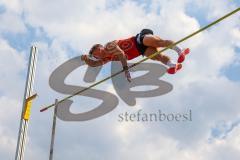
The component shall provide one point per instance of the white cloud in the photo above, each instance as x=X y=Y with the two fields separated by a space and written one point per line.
x=215 y=10
x=8 y=126
x=13 y=65
x=236 y=36
x=11 y=20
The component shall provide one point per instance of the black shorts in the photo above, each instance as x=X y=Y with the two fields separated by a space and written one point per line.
x=139 y=40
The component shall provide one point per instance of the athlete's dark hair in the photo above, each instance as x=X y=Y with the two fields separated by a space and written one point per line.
x=95 y=46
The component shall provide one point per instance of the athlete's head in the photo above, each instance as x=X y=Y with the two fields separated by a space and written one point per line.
x=96 y=50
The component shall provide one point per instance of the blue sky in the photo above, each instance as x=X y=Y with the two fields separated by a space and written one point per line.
x=208 y=83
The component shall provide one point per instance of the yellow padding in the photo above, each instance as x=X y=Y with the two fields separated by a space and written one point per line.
x=28 y=105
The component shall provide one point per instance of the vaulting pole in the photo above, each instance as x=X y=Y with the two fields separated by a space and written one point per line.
x=27 y=102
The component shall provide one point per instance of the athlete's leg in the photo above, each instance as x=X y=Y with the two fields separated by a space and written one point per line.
x=173 y=68
x=159 y=57
x=155 y=41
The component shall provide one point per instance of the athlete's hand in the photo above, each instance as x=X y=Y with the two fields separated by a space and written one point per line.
x=168 y=42
x=83 y=57
x=127 y=75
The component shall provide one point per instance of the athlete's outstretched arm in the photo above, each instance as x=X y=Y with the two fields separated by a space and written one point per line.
x=91 y=62
x=113 y=49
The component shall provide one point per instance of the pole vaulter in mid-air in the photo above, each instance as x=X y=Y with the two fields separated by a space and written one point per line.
x=145 y=43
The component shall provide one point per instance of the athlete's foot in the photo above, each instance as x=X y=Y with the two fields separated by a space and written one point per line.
x=173 y=70
x=182 y=55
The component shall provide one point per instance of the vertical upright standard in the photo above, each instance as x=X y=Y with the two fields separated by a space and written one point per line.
x=53 y=130
x=27 y=102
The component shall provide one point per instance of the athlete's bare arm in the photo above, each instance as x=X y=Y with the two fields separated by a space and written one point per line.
x=93 y=63
x=118 y=54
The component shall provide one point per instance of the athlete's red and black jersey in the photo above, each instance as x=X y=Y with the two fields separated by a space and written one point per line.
x=138 y=48
x=129 y=47
x=132 y=47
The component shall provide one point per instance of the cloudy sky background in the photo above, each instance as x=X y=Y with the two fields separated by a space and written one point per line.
x=209 y=84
